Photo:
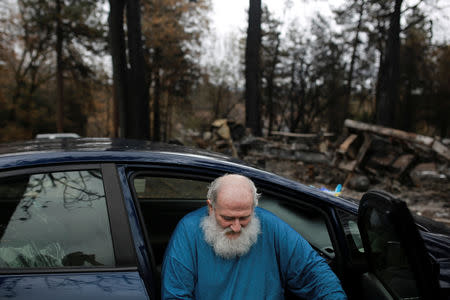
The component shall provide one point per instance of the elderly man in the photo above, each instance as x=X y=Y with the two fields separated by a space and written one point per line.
x=235 y=250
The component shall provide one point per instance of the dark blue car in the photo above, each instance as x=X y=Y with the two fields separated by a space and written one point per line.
x=91 y=218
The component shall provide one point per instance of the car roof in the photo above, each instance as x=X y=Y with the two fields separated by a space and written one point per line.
x=94 y=144
x=40 y=152
x=47 y=152
x=111 y=149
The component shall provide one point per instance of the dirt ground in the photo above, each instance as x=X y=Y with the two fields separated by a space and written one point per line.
x=431 y=200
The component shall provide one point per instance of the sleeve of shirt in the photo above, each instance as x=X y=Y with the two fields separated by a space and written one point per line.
x=307 y=274
x=178 y=270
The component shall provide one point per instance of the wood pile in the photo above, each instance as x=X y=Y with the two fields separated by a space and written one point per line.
x=382 y=152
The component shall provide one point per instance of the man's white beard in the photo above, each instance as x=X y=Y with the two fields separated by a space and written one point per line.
x=225 y=247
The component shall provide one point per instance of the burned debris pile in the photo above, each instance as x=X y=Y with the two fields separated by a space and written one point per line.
x=390 y=154
x=414 y=167
x=411 y=166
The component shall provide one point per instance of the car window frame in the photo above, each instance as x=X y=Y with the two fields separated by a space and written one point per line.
x=124 y=252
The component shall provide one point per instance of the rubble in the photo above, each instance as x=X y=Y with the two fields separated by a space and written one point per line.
x=427 y=173
x=220 y=137
x=411 y=166
x=392 y=153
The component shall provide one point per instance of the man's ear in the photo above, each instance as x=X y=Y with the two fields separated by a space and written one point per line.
x=210 y=208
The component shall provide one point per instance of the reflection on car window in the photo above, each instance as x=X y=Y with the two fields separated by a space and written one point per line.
x=309 y=223
x=54 y=220
x=350 y=225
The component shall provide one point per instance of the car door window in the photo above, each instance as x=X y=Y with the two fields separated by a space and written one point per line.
x=54 y=219
x=349 y=223
x=310 y=223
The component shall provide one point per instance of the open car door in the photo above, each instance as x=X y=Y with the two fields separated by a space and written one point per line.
x=399 y=264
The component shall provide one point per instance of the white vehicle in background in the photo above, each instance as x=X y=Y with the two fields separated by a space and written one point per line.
x=57 y=136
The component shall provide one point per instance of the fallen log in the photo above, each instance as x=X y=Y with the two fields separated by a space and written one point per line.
x=441 y=149
x=301 y=135
x=431 y=143
x=408 y=136
x=343 y=148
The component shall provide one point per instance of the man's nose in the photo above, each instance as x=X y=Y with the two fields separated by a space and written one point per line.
x=236 y=226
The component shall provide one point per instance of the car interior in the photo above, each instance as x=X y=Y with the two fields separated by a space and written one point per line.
x=165 y=200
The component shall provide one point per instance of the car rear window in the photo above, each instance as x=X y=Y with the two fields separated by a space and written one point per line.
x=54 y=220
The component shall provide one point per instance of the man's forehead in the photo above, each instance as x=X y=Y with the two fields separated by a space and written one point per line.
x=235 y=181
x=235 y=188
x=234 y=195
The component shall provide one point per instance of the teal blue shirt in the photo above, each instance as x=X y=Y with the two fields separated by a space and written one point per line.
x=280 y=259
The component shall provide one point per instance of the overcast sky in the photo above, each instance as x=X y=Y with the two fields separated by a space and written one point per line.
x=230 y=15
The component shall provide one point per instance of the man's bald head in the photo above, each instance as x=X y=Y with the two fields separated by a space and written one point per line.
x=232 y=183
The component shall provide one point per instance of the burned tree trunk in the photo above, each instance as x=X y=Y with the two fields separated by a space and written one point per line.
x=59 y=70
x=130 y=86
x=139 y=119
x=252 y=69
x=388 y=82
x=119 y=64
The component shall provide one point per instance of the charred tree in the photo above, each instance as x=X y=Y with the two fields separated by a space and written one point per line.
x=138 y=105
x=390 y=72
x=119 y=63
x=157 y=97
x=59 y=70
x=252 y=69
x=130 y=86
